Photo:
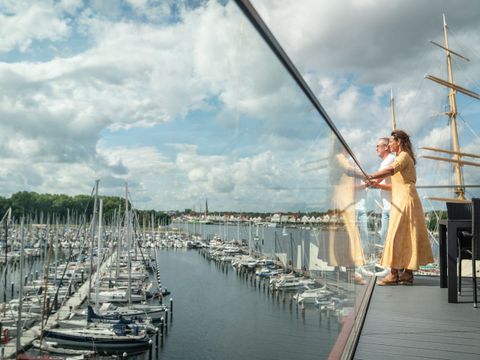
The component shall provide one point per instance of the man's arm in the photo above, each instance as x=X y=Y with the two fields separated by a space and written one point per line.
x=381 y=185
x=388 y=171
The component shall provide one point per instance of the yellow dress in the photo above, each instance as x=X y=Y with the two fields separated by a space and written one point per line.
x=407 y=245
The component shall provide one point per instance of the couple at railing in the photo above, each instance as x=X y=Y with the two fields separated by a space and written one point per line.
x=406 y=245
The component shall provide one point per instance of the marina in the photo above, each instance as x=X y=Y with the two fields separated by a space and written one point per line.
x=225 y=301
x=263 y=292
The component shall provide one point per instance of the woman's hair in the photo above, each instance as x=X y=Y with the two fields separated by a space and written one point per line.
x=404 y=139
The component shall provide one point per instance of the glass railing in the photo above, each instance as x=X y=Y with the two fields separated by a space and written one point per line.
x=282 y=181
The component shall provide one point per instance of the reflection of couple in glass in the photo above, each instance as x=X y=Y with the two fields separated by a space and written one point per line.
x=406 y=245
x=343 y=246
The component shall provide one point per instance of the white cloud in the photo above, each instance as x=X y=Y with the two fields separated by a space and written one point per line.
x=21 y=23
x=267 y=181
x=353 y=52
x=137 y=75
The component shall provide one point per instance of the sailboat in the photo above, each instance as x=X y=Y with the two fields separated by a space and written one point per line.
x=107 y=321
x=155 y=312
x=120 y=336
x=455 y=156
x=106 y=340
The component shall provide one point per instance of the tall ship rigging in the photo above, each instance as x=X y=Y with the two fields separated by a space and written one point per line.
x=455 y=156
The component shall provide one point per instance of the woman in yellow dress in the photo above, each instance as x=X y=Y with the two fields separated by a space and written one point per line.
x=407 y=245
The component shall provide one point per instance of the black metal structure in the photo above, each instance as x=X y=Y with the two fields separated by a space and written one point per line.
x=469 y=244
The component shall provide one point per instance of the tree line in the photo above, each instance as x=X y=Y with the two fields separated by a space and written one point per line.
x=40 y=208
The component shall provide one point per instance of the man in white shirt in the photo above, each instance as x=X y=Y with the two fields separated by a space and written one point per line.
x=385 y=186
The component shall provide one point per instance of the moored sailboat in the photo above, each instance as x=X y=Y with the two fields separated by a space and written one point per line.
x=109 y=341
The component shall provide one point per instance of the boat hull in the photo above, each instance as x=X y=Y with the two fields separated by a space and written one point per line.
x=109 y=344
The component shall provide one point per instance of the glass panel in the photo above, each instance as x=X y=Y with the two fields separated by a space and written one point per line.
x=289 y=191
x=190 y=107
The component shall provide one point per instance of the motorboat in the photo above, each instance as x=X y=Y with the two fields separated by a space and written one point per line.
x=309 y=296
x=117 y=296
x=292 y=284
x=135 y=311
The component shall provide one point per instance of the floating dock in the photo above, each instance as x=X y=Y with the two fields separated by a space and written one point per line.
x=9 y=350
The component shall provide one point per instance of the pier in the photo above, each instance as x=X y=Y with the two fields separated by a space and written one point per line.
x=9 y=350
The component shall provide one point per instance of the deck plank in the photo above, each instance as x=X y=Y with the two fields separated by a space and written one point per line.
x=418 y=322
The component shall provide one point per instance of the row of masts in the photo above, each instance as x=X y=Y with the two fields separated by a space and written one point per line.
x=96 y=225
x=459 y=188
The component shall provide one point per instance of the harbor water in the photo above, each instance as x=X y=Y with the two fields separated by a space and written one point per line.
x=221 y=315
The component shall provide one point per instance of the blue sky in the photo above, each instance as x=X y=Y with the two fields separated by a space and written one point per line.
x=183 y=100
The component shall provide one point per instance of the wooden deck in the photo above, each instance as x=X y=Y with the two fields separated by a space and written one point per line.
x=417 y=322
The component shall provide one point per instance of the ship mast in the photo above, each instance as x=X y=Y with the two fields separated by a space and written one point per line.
x=457 y=154
x=459 y=191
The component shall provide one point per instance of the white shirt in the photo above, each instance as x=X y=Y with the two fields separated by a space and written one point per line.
x=386 y=195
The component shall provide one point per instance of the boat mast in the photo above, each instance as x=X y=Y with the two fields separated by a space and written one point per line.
x=152 y=223
x=291 y=252
x=129 y=244
x=20 y=294
x=55 y=251
x=45 y=283
x=99 y=254
x=459 y=191
x=92 y=241
x=119 y=243
x=392 y=109
x=6 y=221
x=249 y=237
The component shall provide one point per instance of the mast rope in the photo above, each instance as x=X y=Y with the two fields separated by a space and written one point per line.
x=471 y=50
x=468 y=77
x=402 y=116
x=461 y=46
x=469 y=127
